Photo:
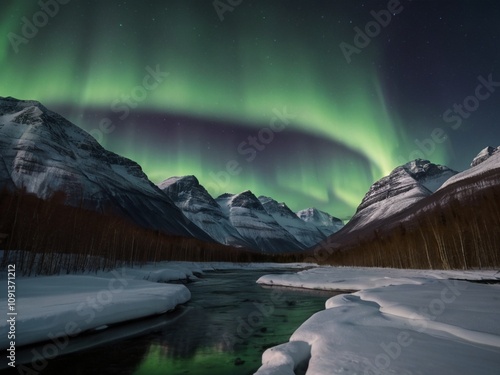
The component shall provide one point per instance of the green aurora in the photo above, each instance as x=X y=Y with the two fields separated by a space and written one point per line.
x=234 y=72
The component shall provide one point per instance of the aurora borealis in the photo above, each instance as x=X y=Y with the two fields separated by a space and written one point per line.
x=349 y=123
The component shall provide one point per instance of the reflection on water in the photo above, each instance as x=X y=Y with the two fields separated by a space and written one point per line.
x=231 y=322
x=224 y=329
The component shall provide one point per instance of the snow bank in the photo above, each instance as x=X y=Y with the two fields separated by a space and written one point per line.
x=405 y=323
x=282 y=359
x=57 y=306
x=358 y=278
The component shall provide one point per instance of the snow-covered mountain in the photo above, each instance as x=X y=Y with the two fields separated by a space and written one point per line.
x=487 y=162
x=43 y=153
x=199 y=206
x=325 y=223
x=403 y=187
x=413 y=213
x=247 y=214
x=244 y=220
x=485 y=154
x=305 y=232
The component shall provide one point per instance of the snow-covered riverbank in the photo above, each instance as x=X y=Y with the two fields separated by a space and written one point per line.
x=399 y=322
x=63 y=306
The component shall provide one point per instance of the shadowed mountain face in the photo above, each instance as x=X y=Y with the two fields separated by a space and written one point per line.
x=43 y=153
x=405 y=186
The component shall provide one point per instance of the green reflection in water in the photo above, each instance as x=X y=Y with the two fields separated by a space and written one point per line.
x=231 y=321
x=211 y=361
x=218 y=355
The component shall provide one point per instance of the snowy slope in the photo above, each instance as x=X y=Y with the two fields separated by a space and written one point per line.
x=485 y=154
x=488 y=160
x=44 y=153
x=199 y=207
x=404 y=186
x=326 y=223
x=255 y=225
x=400 y=322
x=306 y=233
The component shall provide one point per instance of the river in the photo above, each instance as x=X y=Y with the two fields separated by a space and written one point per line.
x=223 y=330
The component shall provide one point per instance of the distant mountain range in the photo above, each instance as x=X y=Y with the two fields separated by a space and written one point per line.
x=43 y=153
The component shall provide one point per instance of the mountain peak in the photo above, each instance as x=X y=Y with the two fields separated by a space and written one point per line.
x=12 y=100
x=307 y=213
x=10 y=105
x=423 y=169
x=325 y=222
x=256 y=224
x=185 y=181
x=403 y=187
x=311 y=211
x=199 y=207
x=484 y=155
x=225 y=196
x=247 y=199
x=487 y=161
x=273 y=205
x=305 y=233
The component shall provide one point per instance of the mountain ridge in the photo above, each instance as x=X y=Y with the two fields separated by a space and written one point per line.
x=43 y=153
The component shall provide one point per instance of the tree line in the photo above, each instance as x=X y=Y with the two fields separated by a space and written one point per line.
x=47 y=237
x=455 y=228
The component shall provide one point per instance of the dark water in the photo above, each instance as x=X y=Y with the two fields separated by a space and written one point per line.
x=224 y=329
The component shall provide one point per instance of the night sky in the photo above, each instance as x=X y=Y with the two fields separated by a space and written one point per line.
x=284 y=98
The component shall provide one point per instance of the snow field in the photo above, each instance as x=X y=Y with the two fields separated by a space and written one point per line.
x=405 y=322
